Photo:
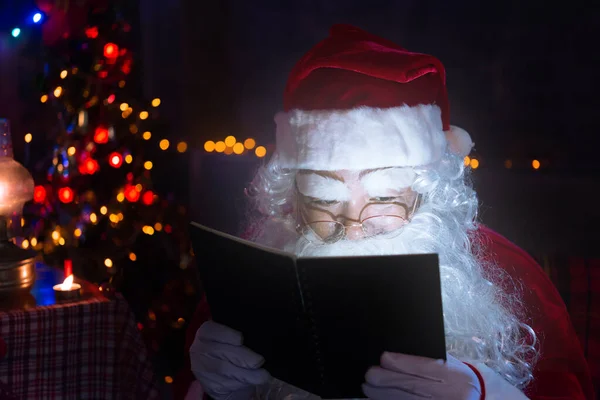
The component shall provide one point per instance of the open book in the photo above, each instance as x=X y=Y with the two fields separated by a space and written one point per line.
x=321 y=323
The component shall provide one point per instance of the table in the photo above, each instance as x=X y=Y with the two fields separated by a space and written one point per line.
x=85 y=349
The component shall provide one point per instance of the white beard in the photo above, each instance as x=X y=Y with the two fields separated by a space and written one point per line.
x=479 y=323
x=380 y=245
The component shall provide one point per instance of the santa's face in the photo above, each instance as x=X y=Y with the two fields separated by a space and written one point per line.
x=335 y=207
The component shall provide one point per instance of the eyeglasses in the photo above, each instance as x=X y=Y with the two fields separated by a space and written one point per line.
x=376 y=218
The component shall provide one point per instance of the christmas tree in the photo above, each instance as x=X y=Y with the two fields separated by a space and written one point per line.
x=94 y=146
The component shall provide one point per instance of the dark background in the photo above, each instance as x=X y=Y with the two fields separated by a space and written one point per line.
x=522 y=79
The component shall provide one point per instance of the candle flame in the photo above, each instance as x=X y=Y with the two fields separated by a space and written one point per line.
x=68 y=283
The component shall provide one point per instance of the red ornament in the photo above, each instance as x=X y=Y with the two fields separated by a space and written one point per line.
x=65 y=194
x=111 y=50
x=131 y=193
x=115 y=159
x=89 y=166
x=39 y=194
x=126 y=67
x=101 y=135
x=91 y=32
x=148 y=198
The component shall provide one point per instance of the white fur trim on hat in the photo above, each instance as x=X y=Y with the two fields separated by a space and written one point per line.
x=360 y=138
x=459 y=141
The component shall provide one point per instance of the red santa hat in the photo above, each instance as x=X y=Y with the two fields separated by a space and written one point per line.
x=358 y=101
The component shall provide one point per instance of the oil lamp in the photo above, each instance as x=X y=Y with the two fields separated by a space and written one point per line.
x=17 y=265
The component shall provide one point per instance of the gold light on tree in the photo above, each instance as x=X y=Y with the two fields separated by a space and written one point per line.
x=17 y=267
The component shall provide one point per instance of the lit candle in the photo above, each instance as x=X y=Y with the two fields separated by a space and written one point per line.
x=67 y=290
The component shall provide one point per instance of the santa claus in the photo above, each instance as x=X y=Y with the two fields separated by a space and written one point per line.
x=367 y=162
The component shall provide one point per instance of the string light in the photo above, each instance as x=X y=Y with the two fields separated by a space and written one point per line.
x=39 y=194
x=230 y=141
x=65 y=194
x=209 y=146
x=238 y=148
x=164 y=144
x=58 y=91
x=148 y=198
x=260 y=151
x=535 y=164
x=108 y=262
x=124 y=106
x=111 y=50
x=28 y=138
x=231 y=146
x=103 y=210
x=148 y=165
x=156 y=102
x=474 y=163
x=115 y=160
x=220 y=146
x=144 y=115
x=63 y=74
x=147 y=135
x=249 y=143
x=182 y=147
x=44 y=98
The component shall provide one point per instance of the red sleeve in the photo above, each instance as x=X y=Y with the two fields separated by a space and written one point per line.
x=185 y=377
x=562 y=371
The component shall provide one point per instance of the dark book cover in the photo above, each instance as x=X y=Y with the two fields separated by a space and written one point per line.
x=322 y=322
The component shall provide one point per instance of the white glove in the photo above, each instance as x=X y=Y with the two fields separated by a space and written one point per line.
x=402 y=376
x=225 y=368
x=279 y=390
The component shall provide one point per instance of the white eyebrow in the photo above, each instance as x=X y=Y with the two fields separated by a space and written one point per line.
x=321 y=187
x=380 y=181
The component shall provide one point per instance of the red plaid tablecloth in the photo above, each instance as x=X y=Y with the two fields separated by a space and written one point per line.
x=89 y=349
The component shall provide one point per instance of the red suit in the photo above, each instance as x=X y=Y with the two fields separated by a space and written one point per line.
x=561 y=371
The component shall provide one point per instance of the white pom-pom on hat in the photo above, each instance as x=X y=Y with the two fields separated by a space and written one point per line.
x=459 y=141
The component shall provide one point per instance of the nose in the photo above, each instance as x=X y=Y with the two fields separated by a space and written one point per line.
x=351 y=216
x=354 y=231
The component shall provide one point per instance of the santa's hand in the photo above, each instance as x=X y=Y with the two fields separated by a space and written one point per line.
x=403 y=376
x=225 y=368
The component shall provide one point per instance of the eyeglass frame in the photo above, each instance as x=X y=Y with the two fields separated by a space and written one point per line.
x=360 y=222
